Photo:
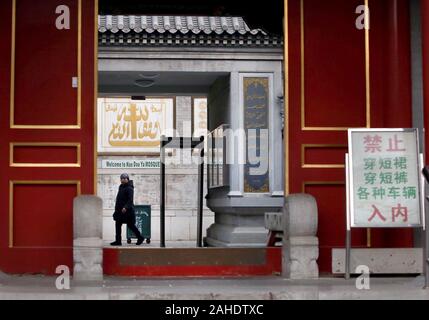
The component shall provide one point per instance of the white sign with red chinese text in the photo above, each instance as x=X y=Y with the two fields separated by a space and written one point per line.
x=384 y=178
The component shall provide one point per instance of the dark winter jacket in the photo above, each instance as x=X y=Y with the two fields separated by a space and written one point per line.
x=125 y=199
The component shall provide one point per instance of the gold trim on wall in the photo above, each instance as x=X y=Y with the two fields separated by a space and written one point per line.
x=305 y=165
x=321 y=183
x=95 y=141
x=286 y=96
x=367 y=73
x=368 y=238
x=12 y=63
x=336 y=183
x=77 y=164
x=12 y=183
x=367 y=79
x=131 y=154
x=79 y=75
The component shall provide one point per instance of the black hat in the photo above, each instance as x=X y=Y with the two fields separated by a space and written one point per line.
x=125 y=176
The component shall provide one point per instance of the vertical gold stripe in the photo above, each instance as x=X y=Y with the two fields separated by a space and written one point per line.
x=12 y=101
x=12 y=64
x=95 y=141
x=79 y=155
x=10 y=214
x=286 y=96
x=302 y=64
x=367 y=67
x=368 y=238
x=79 y=65
x=368 y=89
x=11 y=154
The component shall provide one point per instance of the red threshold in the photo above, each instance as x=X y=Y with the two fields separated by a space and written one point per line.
x=192 y=262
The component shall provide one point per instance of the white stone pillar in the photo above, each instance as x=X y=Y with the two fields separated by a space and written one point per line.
x=300 y=243
x=87 y=235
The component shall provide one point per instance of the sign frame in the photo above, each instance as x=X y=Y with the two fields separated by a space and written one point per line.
x=350 y=190
x=424 y=216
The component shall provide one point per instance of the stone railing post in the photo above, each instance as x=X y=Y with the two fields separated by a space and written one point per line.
x=300 y=244
x=87 y=238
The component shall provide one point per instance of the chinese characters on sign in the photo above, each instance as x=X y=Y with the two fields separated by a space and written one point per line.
x=125 y=125
x=384 y=178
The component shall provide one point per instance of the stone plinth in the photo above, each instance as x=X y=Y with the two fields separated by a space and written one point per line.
x=237 y=230
x=300 y=244
x=380 y=260
x=87 y=238
x=274 y=221
x=88 y=259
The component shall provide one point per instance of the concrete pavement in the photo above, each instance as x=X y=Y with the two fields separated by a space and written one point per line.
x=266 y=288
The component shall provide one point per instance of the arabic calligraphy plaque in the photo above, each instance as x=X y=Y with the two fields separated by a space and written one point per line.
x=256 y=106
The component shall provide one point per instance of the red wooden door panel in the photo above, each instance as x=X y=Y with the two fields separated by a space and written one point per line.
x=342 y=77
x=47 y=129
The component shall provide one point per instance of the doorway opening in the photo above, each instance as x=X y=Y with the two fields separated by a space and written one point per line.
x=213 y=69
x=135 y=109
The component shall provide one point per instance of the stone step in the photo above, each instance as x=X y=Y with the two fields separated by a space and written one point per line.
x=380 y=261
x=137 y=261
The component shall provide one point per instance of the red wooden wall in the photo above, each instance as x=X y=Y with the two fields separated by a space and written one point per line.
x=425 y=35
x=342 y=77
x=339 y=77
x=46 y=129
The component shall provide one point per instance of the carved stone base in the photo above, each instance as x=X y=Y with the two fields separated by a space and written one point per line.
x=87 y=243
x=304 y=252
x=88 y=259
x=235 y=230
x=300 y=245
x=236 y=236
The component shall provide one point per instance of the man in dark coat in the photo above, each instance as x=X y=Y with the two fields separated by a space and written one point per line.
x=124 y=211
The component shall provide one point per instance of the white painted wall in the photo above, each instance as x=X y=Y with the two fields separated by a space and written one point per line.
x=181 y=196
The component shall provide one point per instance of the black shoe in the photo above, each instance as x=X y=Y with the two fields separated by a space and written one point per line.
x=116 y=243
x=139 y=241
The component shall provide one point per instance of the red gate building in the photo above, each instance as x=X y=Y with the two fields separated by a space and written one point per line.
x=337 y=76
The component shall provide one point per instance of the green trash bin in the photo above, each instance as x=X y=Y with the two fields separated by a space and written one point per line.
x=143 y=216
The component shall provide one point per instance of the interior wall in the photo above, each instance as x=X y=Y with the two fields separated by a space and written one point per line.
x=181 y=184
x=219 y=103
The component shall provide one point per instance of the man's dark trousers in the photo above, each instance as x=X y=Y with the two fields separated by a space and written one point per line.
x=131 y=225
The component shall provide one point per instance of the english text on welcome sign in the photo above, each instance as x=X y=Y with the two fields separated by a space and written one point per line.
x=385 y=185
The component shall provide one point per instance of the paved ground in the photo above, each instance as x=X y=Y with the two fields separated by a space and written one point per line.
x=37 y=287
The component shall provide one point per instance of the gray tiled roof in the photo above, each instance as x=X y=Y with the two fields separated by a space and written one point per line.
x=182 y=31
x=176 y=24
